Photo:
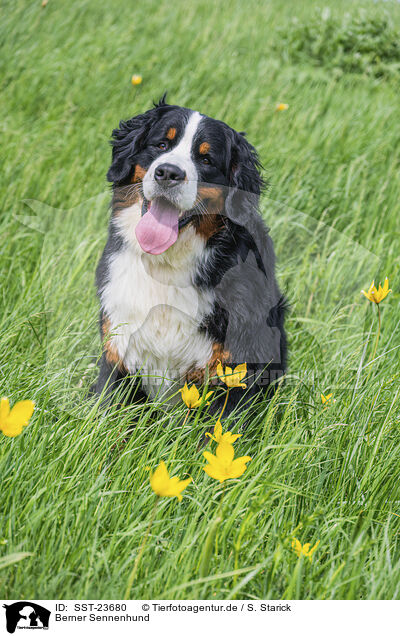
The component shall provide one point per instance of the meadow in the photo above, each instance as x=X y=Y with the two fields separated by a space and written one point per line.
x=75 y=499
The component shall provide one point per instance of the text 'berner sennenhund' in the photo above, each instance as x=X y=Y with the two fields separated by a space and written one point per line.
x=187 y=277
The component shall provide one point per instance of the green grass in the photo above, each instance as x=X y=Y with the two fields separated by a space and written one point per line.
x=72 y=493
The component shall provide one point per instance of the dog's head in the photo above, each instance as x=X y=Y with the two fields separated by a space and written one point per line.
x=180 y=164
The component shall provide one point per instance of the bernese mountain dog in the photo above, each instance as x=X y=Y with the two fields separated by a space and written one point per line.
x=187 y=276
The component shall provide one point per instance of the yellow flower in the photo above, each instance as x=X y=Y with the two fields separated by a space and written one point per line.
x=327 y=399
x=377 y=295
x=280 y=107
x=222 y=466
x=192 y=397
x=232 y=378
x=12 y=421
x=136 y=80
x=305 y=549
x=219 y=437
x=164 y=485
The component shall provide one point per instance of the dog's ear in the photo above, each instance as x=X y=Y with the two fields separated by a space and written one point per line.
x=127 y=141
x=245 y=180
x=242 y=201
x=245 y=166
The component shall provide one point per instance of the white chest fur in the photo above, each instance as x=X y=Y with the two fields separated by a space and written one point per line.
x=154 y=308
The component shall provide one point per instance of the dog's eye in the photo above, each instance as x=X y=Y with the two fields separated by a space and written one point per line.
x=162 y=145
x=206 y=161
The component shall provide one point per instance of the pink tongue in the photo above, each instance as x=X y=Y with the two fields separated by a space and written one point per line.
x=158 y=228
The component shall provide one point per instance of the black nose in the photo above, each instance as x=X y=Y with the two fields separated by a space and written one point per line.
x=168 y=174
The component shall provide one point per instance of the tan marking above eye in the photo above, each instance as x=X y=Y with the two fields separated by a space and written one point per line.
x=204 y=148
x=171 y=133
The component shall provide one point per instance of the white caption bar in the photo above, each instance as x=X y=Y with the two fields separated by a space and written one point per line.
x=172 y=618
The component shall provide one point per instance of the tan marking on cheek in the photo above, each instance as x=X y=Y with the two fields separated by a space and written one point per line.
x=109 y=349
x=171 y=134
x=210 y=193
x=218 y=354
x=138 y=175
x=204 y=148
x=213 y=202
x=209 y=225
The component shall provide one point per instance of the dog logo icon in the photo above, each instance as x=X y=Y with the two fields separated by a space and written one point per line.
x=26 y=615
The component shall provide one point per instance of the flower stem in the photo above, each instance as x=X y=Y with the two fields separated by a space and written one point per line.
x=371 y=360
x=132 y=575
x=222 y=499
x=225 y=403
x=220 y=515
x=378 y=334
x=376 y=343
x=186 y=416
